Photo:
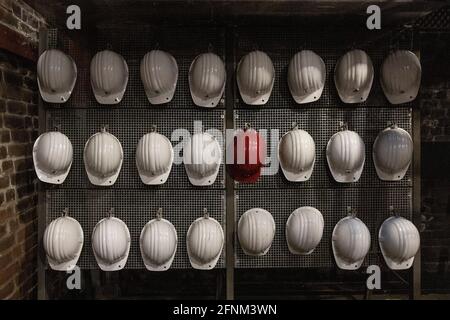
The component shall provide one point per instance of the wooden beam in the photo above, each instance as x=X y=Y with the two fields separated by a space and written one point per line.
x=18 y=44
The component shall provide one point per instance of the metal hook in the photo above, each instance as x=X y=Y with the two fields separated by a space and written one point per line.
x=392 y=124
x=159 y=214
x=57 y=127
x=210 y=47
x=65 y=212
x=294 y=125
x=351 y=212
x=111 y=212
x=343 y=125
x=247 y=126
x=153 y=128
x=105 y=128
x=205 y=213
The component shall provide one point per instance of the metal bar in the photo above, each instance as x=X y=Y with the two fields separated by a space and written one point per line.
x=230 y=204
x=41 y=208
x=415 y=288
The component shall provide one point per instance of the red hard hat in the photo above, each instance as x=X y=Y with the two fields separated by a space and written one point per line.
x=248 y=157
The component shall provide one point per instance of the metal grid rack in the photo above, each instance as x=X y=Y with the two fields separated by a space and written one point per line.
x=79 y=118
x=370 y=196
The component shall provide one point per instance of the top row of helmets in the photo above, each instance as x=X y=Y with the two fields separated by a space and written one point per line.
x=353 y=76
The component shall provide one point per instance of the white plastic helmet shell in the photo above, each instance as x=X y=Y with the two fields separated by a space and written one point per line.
x=255 y=78
x=346 y=154
x=306 y=76
x=256 y=229
x=297 y=155
x=400 y=76
x=207 y=77
x=56 y=76
x=52 y=157
x=111 y=244
x=350 y=242
x=159 y=74
x=202 y=157
x=63 y=241
x=158 y=243
x=392 y=153
x=154 y=158
x=204 y=242
x=109 y=77
x=103 y=156
x=304 y=230
x=353 y=76
x=399 y=242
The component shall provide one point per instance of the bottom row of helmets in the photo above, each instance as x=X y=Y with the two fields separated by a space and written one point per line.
x=64 y=239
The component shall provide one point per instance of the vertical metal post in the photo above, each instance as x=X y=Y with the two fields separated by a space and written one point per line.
x=41 y=208
x=416 y=288
x=229 y=124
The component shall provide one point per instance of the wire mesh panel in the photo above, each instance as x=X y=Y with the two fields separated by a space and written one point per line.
x=134 y=202
x=136 y=208
x=370 y=196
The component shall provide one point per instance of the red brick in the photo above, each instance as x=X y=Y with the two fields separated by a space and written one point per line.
x=5 y=260
x=2 y=105
x=25 y=190
x=6 y=243
x=17 y=107
x=6 y=213
x=24 y=204
x=3 y=152
x=5 y=136
x=8 y=272
x=4 y=181
x=10 y=195
x=14 y=122
x=20 y=136
x=2 y=198
x=7 y=165
x=32 y=109
x=23 y=164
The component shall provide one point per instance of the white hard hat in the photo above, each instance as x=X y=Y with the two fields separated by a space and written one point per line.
x=304 y=229
x=154 y=158
x=350 y=242
x=202 y=157
x=306 y=76
x=204 y=242
x=256 y=229
x=297 y=155
x=111 y=243
x=255 y=78
x=346 y=154
x=63 y=241
x=400 y=76
x=56 y=76
x=399 y=242
x=109 y=77
x=392 y=153
x=159 y=74
x=52 y=157
x=353 y=76
x=158 y=242
x=207 y=77
x=103 y=156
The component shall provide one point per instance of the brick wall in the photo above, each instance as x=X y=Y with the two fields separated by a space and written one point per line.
x=18 y=183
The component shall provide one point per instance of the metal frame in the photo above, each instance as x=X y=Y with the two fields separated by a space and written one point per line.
x=230 y=204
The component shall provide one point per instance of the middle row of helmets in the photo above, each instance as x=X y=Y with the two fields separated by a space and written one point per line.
x=202 y=155
x=353 y=77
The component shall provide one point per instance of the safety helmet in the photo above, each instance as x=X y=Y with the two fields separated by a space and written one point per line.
x=204 y=242
x=255 y=78
x=249 y=153
x=392 y=153
x=350 y=242
x=353 y=76
x=297 y=155
x=346 y=154
x=111 y=243
x=400 y=76
x=207 y=79
x=63 y=241
x=304 y=229
x=56 y=76
x=154 y=158
x=103 y=156
x=158 y=242
x=399 y=242
x=52 y=157
x=109 y=77
x=256 y=229
x=159 y=74
x=306 y=76
x=202 y=157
